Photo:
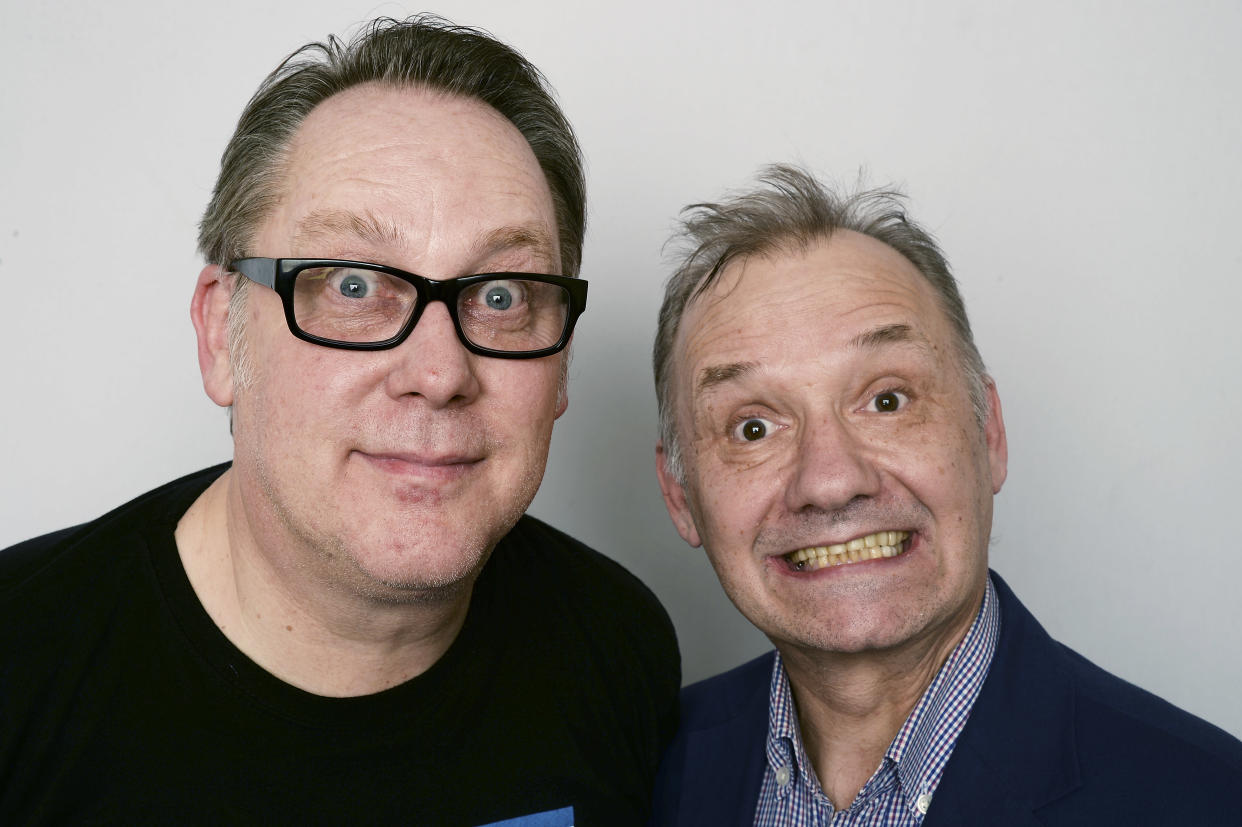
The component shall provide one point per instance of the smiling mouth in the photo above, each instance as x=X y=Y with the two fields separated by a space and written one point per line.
x=413 y=466
x=870 y=547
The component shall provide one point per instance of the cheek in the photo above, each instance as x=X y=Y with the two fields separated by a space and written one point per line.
x=955 y=479
x=304 y=398
x=520 y=399
x=728 y=505
x=535 y=385
x=313 y=387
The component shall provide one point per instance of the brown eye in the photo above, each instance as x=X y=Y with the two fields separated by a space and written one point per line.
x=889 y=401
x=752 y=429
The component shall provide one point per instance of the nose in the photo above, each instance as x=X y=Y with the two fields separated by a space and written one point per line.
x=433 y=363
x=832 y=469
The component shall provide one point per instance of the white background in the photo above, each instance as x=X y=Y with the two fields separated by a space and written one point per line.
x=1079 y=162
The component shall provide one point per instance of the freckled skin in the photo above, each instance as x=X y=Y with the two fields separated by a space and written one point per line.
x=832 y=467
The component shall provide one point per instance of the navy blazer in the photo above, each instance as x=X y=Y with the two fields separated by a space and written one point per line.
x=1052 y=740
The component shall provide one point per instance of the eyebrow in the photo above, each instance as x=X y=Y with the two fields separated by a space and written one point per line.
x=889 y=334
x=504 y=239
x=713 y=375
x=323 y=224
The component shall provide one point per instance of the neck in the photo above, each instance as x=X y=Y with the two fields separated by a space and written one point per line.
x=851 y=705
x=300 y=625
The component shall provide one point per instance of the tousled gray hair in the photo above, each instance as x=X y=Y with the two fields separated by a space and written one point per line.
x=790 y=208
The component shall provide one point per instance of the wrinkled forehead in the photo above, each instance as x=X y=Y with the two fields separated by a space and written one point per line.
x=384 y=163
x=826 y=292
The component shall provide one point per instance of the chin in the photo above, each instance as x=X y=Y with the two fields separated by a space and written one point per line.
x=839 y=641
x=852 y=630
x=411 y=573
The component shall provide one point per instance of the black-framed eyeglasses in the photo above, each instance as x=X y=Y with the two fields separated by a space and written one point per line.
x=359 y=306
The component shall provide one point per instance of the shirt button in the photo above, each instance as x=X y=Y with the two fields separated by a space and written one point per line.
x=923 y=803
x=782 y=775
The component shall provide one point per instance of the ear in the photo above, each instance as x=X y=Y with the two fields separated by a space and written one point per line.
x=562 y=392
x=675 y=499
x=994 y=430
x=209 y=310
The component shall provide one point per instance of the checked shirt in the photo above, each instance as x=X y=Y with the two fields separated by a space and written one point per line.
x=903 y=787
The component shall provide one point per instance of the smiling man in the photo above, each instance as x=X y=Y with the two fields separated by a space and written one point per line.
x=354 y=622
x=831 y=439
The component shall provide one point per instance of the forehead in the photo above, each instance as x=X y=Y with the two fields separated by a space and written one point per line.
x=813 y=302
x=378 y=160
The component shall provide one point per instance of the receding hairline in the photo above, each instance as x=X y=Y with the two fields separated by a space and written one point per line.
x=728 y=272
x=335 y=225
x=330 y=224
x=423 y=51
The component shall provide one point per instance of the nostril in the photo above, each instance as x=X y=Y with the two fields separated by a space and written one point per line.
x=841 y=514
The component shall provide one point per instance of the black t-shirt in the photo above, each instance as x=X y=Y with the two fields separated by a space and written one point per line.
x=122 y=702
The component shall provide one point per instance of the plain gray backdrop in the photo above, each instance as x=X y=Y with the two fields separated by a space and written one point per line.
x=1079 y=162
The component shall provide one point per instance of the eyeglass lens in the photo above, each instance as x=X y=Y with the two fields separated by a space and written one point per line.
x=367 y=306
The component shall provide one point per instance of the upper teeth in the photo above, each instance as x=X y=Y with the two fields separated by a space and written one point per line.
x=880 y=544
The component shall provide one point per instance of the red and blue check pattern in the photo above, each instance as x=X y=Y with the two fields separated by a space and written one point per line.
x=904 y=786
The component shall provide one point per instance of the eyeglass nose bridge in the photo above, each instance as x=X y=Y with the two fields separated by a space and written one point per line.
x=427 y=291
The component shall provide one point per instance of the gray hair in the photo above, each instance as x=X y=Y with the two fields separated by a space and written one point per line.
x=422 y=51
x=790 y=208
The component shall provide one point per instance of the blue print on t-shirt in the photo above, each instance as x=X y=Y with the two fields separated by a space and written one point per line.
x=552 y=818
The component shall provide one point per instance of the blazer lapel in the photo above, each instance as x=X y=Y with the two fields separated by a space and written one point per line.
x=1019 y=750
x=730 y=795
x=976 y=796
x=712 y=773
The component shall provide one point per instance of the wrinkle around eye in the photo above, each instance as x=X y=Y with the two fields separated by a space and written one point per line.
x=753 y=429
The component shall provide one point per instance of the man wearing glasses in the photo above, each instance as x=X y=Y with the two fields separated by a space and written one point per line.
x=354 y=621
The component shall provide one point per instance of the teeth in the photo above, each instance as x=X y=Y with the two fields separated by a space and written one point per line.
x=870 y=547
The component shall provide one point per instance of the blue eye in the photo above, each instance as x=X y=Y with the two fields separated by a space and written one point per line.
x=498 y=297
x=354 y=287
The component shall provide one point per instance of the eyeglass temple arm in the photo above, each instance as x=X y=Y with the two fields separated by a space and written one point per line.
x=259 y=270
